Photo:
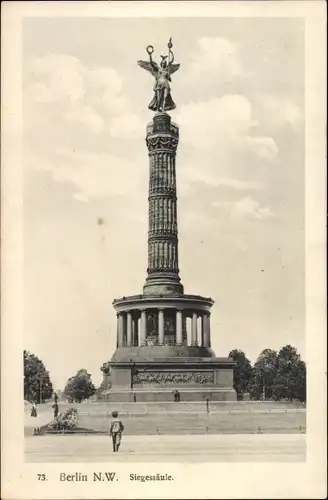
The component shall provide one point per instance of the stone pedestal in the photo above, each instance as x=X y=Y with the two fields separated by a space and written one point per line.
x=150 y=378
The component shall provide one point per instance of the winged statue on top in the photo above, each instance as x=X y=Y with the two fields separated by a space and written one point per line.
x=162 y=100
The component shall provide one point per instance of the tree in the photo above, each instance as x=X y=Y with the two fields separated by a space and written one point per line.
x=290 y=379
x=37 y=383
x=265 y=368
x=80 y=386
x=100 y=390
x=242 y=372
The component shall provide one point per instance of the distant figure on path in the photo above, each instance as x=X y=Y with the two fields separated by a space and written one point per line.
x=56 y=398
x=115 y=431
x=56 y=409
x=134 y=397
x=33 y=410
x=176 y=395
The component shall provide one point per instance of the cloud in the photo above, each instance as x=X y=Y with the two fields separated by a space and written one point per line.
x=127 y=126
x=56 y=77
x=246 y=207
x=264 y=147
x=91 y=97
x=73 y=106
x=236 y=184
x=210 y=176
x=215 y=57
x=205 y=123
x=281 y=110
x=249 y=207
x=92 y=175
x=225 y=122
x=87 y=116
x=106 y=79
x=213 y=69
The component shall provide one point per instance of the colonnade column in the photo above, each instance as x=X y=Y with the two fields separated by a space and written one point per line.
x=120 y=330
x=160 y=326
x=117 y=331
x=194 y=329
x=143 y=328
x=179 y=339
x=128 y=329
x=207 y=330
x=203 y=330
x=135 y=341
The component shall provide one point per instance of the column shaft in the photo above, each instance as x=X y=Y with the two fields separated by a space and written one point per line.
x=117 y=331
x=162 y=141
x=161 y=326
x=203 y=330
x=194 y=329
x=120 y=330
x=179 y=336
x=143 y=329
x=135 y=332
x=207 y=330
x=128 y=329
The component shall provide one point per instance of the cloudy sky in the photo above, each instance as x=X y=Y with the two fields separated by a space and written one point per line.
x=240 y=176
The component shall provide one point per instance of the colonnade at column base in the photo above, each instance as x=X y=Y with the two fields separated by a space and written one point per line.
x=163 y=319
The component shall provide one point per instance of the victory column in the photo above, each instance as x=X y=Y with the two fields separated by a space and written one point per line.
x=154 y=354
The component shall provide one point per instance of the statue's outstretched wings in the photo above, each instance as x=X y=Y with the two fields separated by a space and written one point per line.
x=151 y=67
x=173 y=68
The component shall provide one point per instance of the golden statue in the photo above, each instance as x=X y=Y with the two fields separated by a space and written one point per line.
x=162 y=100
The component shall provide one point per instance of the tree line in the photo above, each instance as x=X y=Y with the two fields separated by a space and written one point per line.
x=37 y=383
x=38 y=387
x=274 y=376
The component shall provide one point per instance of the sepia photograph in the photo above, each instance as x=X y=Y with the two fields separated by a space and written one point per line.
x=164 y=256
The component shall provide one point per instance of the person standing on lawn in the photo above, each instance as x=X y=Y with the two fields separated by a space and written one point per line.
x=33 y=410
x=56 y=409
x=115 y=431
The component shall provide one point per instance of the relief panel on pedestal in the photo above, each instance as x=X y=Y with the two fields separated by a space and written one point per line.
x=172 y=377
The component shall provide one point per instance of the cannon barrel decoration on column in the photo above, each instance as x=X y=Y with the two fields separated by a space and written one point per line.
x=152 y=327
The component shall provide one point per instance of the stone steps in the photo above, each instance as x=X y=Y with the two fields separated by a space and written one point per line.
x=182 y=407
x=215 y=423
x=184 y=418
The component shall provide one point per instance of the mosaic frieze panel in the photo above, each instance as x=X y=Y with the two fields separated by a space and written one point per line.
x=152 y=323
